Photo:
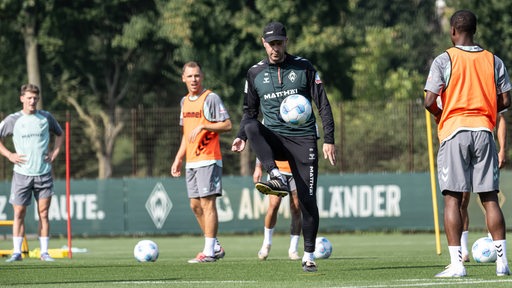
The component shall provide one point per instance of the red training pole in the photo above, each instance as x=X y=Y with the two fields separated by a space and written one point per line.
x=68 y=187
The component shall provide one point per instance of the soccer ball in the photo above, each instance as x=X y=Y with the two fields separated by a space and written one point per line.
x=323 y=248
x=295 y=109
x=146 y=251
x=483 y=250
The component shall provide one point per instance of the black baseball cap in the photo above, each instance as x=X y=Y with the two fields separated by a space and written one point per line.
x=274 y=31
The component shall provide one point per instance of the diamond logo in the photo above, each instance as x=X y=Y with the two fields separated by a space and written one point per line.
x=159 y=205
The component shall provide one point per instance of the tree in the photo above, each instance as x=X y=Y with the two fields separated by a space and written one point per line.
x=24 y=18
x=103 y=52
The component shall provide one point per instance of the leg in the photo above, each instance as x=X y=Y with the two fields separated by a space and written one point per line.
x=493 y=215
x=496 y=226
x=296 y=222
x=211 y=224
x=18 y=227
x=465 y=226
x=43 y=205
x=453 y=231
x=197 y=209
x=263 y=142
x=295 y=225
x=211 y=221
x=273 y=207
x=270 y=222
x=452 y=217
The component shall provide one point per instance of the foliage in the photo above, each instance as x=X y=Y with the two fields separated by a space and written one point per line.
x=102 y=59
x=493 y=29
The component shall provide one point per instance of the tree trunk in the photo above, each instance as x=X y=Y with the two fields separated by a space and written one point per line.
x=33 y=73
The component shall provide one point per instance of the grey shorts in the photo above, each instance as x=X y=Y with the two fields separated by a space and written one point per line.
x=22 y=188
x=204 y=181
x=468 y=162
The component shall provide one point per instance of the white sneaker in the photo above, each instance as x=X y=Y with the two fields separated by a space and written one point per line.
x=453 y=271
x=502 y=269
x=264 y=251
x=293 y=255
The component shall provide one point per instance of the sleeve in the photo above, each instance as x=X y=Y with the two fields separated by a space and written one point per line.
x=54 y=125
x=6 y=126
x=439 y=74
x=322 y=103
x=181 y=111
x=251 y=105
x=214 y=110
x=502 y=79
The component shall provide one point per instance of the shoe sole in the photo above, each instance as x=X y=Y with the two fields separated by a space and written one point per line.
x=310 y=269
x=219 y=255
x=194 y=261
x=264 y=189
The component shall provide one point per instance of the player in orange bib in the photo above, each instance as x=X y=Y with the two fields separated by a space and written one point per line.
x=203 y=117
x=273 y=209
x=474 y=86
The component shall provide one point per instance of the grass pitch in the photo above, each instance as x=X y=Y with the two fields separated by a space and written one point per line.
x=359 y=260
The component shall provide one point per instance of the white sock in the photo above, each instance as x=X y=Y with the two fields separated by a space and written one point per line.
x=294 y=242
x=455 y=255
x=501 y=250
x=43 y=242
x=464 y=242
x=16 y=244
x=308 y=256
x=209 y=246
x=267 y=236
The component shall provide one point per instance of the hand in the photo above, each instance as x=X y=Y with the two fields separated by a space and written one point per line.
x=17 y=158
x=176 y=168
x=238 y=145
x=194 y=133
x=256 y=176
x=330 y=153
x=501 y=159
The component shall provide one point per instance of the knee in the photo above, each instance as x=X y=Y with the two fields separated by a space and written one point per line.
x=196 y=209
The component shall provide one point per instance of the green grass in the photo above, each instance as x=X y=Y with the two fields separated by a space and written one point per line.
x=358 y=260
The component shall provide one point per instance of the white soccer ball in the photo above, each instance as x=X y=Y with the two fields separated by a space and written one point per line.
x=483 y=250
x=146 y=251
x=323 y=248
x=295 y=109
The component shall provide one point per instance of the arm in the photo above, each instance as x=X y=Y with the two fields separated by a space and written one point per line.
x=217 y=127
x=324 y=109
x=501 y=131
x=251 y=106
x=503 y=101
x=52 y=154
x=178 y=160
x=13 y=157
x=258 y=172
x=431 y=105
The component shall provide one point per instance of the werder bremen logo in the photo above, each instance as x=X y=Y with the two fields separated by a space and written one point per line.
x=159 y=205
